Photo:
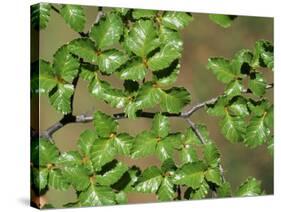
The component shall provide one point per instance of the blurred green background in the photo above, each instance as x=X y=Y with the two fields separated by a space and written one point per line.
x=202 y=39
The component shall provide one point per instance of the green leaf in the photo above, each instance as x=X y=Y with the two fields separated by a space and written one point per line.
x=174 y=99
x=142 y=38
x=69 y=159
x=40 y=178
x=269 y=116
x=263 y=55
x=160 y=125
x=232 y=127
x=242 y=61
x=257 y=84
x=103 y=151
x=150 y=180
x=198 y=193
x=57 y=180
x=218 y=108
x=97 y=195
x=189 y=137
x=258 y=108
x=166 y=190
x=84 y=48
x=47 y=80
x=222 y=69
x=40 y=15
x=213 y=175
x=110 y=60
x=163 y=58
x=87 y=72
x=224 y=190
x=107 y=31
x=77 y=176
x=60 y=99
x=188 y=154
x=123 y=143
x=171 y=37
x=113 y=175
x=238 y=107
x=86 y=141
x=134 y=70
x=211 y=155
x=234 y=88
x=251 y=187
x=121 y=198
x=141 y=13
x=65 y=65
x=167 y=76
x=122 y=11
x=74 y=16
x=144 y=145
x=190 y=174
x=256 y=132
x=48 y=152
x=176 y=20
x=224 y=21
x=105 y=125
x=103 y=90
x=165 y=147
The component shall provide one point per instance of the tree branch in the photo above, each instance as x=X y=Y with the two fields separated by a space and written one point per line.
x=100 y=14
x=86 y=118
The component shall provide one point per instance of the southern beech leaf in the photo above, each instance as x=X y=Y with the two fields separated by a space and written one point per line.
x=69 y=159
x=224 y=21
x=174 y=99
x=171 y=37
x=142 y=13
x=77 y=176
x=176 y=20
x=238 y=106
x=134 y=70
x=198 y=193
x=190 y=174
x=211 y=155
x=144 y=145
x=233 y=127
x=86 y=141
x=256 y=133
x=40 y=178
x=110 y=60
x=57 y=180
x=84 y=48
x=121 y=198
x=188 y=154
x=74 y=16
x=163 y=58
x=167 y=76
x=48 y=152
x=234 y=88
x=65 y=65
x=264 y=54
x=103 y=151
x=40 y=15
x=142 y=38
x=150 y=180
x=224 y=190
x=123 y=143
x=96 y=195
x=251 y=187
x=113 y=175
x=218 y=108
x=107 y=31
x=47 y=79
x=60 y=99
x=160 y=125
x=257 y=84
x=165 y=147
x=104 y=91
x=213 y=175
x=166 y=190
x=105 y=125
x=222 y=69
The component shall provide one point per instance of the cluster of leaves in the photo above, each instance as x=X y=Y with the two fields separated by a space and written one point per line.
x=246 y=114
x=143 y=48
x=99 y=179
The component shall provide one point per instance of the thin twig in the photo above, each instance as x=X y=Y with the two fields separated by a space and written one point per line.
x=100 y=14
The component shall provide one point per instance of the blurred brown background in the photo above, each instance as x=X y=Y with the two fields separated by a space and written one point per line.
x=202 y=39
